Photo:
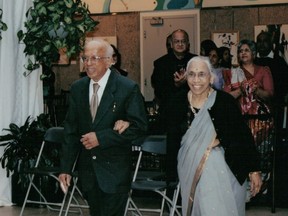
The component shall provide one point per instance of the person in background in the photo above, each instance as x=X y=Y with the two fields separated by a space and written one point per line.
x=266 y=56
x=217 y=152
x=218 y=82
x=253 y=86
x=168 y=74
x=225 y=57
x=104 y=161
x=277 y=65
x=206 y=46
x=168 y=43
x=117 y=61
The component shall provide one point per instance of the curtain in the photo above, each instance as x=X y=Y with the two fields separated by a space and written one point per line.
x=20 y=96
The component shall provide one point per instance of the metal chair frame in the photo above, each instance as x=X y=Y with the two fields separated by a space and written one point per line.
x=155 y=145
x=52 y=135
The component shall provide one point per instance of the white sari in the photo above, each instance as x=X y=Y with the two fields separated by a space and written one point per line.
x=204 y=170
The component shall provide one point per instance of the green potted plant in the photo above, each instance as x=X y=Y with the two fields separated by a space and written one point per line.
x=53 y=25
x=3 y=26
x=22 y=145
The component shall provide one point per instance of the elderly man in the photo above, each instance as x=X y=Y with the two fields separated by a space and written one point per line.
x=168 y=74
x=94 y=130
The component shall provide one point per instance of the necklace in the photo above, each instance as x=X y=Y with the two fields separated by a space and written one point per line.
x=190 y=103
x=194 y=111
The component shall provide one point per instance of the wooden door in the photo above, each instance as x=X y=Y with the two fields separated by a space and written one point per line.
x=155 y=27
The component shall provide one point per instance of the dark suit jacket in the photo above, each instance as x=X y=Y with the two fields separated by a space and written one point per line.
x=111 y=161
x=232 y=132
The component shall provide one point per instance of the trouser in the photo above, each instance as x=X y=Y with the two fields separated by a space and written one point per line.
x=101 y=203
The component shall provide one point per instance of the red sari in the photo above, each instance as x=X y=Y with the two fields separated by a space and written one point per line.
x=256 y=111
x=251 y=105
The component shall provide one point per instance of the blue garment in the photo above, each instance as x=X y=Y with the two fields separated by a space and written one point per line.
x=218 y=185
x=218 y=81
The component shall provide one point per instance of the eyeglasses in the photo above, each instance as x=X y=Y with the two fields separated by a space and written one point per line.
x=201 y=76
x=93 y=59
x=179 y=41
x=244 y=50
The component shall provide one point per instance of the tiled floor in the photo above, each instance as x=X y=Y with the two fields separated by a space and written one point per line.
x=15 y=210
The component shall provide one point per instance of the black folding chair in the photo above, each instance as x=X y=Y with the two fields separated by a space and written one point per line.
x=153 y=145
x=54 y=135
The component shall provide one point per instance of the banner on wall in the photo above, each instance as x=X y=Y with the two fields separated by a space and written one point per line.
x=222 y=3
x=113 y=6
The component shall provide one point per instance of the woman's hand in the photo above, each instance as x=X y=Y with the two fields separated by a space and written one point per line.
x=215 y=143
x=256 y=182
x=121 y=126
x=249 y=86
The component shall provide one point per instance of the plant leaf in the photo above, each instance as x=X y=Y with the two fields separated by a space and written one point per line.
x=68 y=3
x=42 y=11
x=20 y=35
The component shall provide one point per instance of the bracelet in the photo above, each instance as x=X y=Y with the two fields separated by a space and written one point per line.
x=254 y=173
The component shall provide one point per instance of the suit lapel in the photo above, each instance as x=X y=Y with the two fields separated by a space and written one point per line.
x=107 y=97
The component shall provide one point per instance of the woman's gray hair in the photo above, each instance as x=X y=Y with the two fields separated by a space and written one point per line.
x=203 y=59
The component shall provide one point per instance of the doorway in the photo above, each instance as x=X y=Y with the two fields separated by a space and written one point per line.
x=154 y=29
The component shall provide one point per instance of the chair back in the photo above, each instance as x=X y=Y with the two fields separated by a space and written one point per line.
x=155 y=144
x=55 y=135
x=52 y=135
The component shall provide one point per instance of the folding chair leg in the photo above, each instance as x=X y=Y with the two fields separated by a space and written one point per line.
x=71 y=196
x=62 y=205
x=133 y=207
x=163 y=203
x=26 y=196
x=175 y=199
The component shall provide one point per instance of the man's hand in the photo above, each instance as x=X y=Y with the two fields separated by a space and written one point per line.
x=89 y=140
x=121 y=126
x=179 y=78
x=64 y=180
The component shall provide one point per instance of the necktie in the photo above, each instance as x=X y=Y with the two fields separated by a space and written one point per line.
x=94 y=101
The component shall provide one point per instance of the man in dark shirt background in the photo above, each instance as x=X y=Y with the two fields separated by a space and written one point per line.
x=267 y=56
x=168 y=74
x=277 y=65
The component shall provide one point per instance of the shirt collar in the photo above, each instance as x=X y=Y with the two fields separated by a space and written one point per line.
x=103 y=81
x=270 y=55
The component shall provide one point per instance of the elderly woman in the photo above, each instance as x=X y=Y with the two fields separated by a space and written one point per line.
x=216 y=153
